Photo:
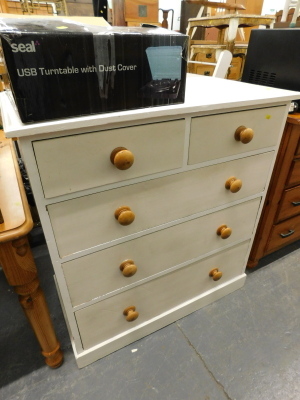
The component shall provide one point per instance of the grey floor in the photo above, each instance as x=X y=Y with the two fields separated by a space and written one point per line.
x=245 y=346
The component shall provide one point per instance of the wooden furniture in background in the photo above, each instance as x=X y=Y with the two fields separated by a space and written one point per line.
x=133 y=249
x=228 y=25
x=231 y=22
x=209 y=53
x=280 y=220
x=36 y=7
x=16 y=258
x=137 y=12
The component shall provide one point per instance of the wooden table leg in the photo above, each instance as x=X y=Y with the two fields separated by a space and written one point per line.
x=20 y=270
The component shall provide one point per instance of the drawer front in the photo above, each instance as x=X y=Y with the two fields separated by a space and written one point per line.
x=294 y=176
x=79 y=162
x=206 y=70
x=205 y=55
x=297 y=153
x=99 y=273
x=290 y=204
x=217 y=132
x=283 y=234
x=105 y=319
x=88 y=221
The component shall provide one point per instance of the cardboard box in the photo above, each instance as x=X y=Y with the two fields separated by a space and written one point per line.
x=60 y=69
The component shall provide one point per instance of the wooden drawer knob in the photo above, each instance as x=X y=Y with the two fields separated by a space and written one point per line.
x=244 y=134
x=124 y=215
x=122 y=158
x=215 y=274
x=128 y=268
x=130 y=313
x=233 y=184
x=224 y=231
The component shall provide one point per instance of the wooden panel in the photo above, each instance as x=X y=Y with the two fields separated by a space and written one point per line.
x=143 y=11
x=183 y=195
x=218 y=133
x=283 y=234
x=104 y=320
x=156 y=148
x=118 y=13
x=156 y=252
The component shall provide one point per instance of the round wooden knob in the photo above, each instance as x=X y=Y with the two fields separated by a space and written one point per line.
x=128 y=268
x=130 y=313
x=243 y=134
x=215 y=274
x=224 y=231
x=233 y=184
x=122 y=158
x=124 y=215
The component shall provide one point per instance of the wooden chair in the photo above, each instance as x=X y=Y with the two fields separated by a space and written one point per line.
x=288 y=4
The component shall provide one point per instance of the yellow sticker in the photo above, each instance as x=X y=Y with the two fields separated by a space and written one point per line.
x=61 y=27
x=268 y=116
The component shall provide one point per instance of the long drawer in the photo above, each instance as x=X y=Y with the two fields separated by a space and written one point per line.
x=218 y=133
x=156 y=252
x=88 y=221
x=290 y=204
x=284 y=233
x=63 y=169
x=105 y=319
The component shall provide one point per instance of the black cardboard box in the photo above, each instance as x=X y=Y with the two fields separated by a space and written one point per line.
x=60 y=69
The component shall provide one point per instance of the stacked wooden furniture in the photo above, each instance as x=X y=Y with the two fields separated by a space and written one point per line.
x=228 y=26
x=16 y=258
x=137 y=12
x=150 y=214
x=280 y=220
x=34 y=7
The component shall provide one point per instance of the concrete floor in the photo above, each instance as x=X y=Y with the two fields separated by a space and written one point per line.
x=245 y=346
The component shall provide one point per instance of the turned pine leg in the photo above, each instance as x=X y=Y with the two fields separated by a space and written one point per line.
x=19 y=268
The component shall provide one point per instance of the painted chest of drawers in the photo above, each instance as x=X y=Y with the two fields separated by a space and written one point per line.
x=150 y=214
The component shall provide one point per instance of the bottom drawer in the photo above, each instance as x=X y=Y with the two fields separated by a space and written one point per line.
x=283 y=234
x=105 y=319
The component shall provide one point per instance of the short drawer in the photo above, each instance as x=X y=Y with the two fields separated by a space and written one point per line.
x=88 y=221
x=105 y=319
x=99 y=273
x=218 y=131
x=73 y=163
x=294 y=175
x=283 y=234
x=290 y=204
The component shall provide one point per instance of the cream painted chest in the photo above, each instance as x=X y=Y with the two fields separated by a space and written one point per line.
x=146 y=234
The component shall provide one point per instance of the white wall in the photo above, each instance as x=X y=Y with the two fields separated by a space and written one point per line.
x=272 y=6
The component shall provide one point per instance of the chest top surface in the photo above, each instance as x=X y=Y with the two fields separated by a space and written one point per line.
x=204 y=95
